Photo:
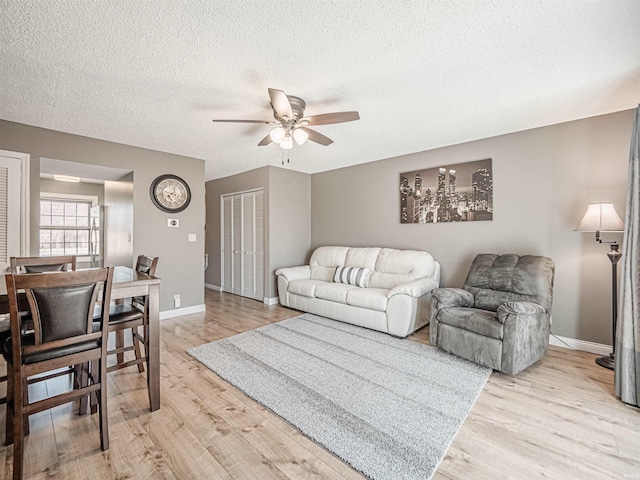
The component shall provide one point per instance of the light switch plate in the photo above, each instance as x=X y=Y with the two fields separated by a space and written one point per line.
x=192 y=237
x=173 y=222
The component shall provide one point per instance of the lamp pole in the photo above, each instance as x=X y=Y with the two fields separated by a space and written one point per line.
x=614 y=255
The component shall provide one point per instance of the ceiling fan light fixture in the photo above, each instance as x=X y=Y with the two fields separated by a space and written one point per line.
x=300 y=136
x=287 y=142
x=278 y=134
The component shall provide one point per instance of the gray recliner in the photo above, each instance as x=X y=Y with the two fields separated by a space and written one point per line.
x=502 y=317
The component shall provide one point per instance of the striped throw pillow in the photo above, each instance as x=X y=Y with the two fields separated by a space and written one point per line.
x=353 y=276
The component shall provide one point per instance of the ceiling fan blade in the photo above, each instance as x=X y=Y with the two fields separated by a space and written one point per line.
x=268 y=122
x=265 y=141
x=317 y=137
x=280 y=103
x=328 y=118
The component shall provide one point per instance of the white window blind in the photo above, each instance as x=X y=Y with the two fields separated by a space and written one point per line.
x=4 y=201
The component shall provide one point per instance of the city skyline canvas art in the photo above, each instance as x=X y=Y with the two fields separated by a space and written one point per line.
x=451 y=193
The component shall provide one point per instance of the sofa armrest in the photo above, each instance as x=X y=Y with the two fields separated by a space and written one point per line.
x=446 y=298
x=417 y=288
x=452 y=297
x=519 y=308
x=526 y=335
x=295 y=273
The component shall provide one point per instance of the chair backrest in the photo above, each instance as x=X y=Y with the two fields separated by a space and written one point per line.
x=147 y=264
x=61 y=306
x=43 y=264
x=496 y=279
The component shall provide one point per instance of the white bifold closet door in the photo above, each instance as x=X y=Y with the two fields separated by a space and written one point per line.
x=243 y=244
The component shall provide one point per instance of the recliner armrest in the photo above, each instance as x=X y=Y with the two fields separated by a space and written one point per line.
x=417 y=288
x=519 y=308
x=295 y=273
x=452 y=297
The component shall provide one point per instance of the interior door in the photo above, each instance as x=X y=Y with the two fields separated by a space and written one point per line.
x=9 y=209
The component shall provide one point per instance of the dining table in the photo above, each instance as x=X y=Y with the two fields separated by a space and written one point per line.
x=127 y=283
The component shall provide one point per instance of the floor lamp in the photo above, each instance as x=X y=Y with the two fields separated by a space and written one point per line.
x=602 y=217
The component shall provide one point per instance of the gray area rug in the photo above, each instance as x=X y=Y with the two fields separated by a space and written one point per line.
x=390 y=408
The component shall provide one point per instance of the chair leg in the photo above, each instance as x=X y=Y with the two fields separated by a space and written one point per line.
x=104 y=421
x=25 y=401
x=136 y=348
x=18 y=427
x=8 y=427
x=81 y=372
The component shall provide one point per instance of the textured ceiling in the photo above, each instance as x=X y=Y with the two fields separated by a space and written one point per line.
x=422 y=74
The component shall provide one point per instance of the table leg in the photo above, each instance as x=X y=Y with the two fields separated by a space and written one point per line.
x=153 y=352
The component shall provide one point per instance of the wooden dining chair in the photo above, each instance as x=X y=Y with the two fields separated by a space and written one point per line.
x=59 y=263
x=132 y=314
x=62 y=310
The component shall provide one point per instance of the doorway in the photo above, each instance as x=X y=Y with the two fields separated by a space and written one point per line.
x=86 y=210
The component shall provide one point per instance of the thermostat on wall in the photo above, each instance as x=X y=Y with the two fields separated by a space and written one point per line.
x=173 y=222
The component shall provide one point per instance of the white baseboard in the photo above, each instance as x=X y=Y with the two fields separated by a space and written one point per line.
x=213 y=287
x=271 y=300
x=176 y=312
x=583 y=345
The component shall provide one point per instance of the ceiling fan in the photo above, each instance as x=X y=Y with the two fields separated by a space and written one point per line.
x=288 y=112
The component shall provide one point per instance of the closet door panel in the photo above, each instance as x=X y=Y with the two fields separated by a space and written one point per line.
x=248 y=245
x=236 y=286
x=227 y=244
x=259 y=245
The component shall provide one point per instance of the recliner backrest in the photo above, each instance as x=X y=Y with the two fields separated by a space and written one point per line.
x=496 y=279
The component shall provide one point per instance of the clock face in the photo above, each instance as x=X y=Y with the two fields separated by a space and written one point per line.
x=170 y=193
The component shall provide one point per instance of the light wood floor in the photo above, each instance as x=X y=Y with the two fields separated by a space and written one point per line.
x=558 y=419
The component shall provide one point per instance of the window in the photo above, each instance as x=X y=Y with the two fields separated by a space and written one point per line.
x=65 y=226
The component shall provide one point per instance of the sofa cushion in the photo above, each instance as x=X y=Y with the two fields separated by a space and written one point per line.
x=482 y=322
x=371 y=298
x=334 y=292
x=306 y=287
x=396 y=267
x=496 y=279
x=365 y=257
x=352 y=276
x=324 y=261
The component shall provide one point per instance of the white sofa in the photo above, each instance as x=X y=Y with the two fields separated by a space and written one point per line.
x=397 y=299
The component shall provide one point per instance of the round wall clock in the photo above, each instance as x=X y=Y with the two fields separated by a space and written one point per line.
x=170 y=193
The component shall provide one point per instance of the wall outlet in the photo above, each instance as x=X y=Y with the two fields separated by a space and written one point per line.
x=176 y=301
x=192 y=237
x=173 y=222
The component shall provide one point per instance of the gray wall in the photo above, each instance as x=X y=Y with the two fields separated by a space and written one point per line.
x=287 y=219
x=543 y=180
x=181 y=262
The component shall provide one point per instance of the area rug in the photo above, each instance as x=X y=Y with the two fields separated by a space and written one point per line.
x=388 y=407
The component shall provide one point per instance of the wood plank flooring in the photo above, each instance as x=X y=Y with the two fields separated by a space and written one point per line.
x=558 y=419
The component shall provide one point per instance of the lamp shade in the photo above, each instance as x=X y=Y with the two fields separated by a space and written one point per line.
x=277 y=134
x=600 y=217
x=300 y=136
